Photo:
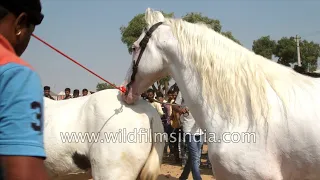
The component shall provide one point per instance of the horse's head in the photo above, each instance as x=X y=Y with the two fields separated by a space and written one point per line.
x=149 y=63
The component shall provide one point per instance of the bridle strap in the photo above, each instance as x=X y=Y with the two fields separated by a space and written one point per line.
x=143 y=44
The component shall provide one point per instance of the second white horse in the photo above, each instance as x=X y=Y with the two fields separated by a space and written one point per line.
x=99 y=132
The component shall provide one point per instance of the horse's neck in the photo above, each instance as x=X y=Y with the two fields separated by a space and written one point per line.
x=188 y=82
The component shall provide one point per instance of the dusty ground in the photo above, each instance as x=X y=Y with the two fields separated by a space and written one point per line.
x=172 y=171
x=169 y=170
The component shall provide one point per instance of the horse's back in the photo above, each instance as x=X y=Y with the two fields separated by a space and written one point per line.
x=106 y=116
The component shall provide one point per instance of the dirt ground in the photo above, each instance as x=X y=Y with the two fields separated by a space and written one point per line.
x=171 y=171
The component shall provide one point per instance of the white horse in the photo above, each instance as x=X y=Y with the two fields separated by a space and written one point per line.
x=230 y=89
x=122 y=147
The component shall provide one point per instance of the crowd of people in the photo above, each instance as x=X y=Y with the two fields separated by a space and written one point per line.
x=185 y=137
x=67 y=92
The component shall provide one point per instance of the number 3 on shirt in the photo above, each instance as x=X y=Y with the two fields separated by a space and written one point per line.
x=35 y=105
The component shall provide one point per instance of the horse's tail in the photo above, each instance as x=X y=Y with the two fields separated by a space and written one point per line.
x=151 y=168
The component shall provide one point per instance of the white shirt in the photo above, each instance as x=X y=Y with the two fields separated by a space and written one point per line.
x=179 y=98
x=158 y=107
x=188 y=123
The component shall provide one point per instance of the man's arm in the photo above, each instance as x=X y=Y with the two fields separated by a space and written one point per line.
x=178 y=101
x=21 y=130
x=23 y=167
x=159 y=109
x=179 y=109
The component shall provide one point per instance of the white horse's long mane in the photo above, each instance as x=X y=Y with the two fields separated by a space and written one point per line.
x=232 y=76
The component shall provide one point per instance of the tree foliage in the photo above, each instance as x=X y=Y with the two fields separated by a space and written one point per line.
x=285 y=50
x=264 y=46
x=309 y=53
x=103 y=86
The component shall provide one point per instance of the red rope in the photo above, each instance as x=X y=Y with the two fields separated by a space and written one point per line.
x=122 y=89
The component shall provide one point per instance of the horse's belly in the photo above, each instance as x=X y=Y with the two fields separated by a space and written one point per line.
x=234 y=161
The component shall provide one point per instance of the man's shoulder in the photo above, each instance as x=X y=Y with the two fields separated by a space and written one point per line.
x=19 y=80
x=12 y=72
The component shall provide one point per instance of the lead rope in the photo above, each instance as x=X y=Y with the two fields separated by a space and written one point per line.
x=121 y=88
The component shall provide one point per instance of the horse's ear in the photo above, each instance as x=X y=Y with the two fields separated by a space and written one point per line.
x=148 y=11
x=148 y=15
x=153 y=17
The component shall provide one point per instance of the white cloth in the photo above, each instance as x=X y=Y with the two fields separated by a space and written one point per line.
x=188 y=123
x=158 y=107
x=179 y=98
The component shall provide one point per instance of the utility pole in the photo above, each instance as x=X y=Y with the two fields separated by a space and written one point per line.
x=298 y=50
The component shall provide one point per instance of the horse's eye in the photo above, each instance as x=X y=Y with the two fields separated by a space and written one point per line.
x=133 y=48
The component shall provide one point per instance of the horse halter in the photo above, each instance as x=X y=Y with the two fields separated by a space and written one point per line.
x=143 y=44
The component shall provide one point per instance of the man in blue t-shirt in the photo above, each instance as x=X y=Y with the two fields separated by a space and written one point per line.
x=22 y=151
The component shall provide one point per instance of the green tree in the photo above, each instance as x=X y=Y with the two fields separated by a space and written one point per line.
x=309 y=54
x=264 y=46
x=103 y=86
x=286 y=51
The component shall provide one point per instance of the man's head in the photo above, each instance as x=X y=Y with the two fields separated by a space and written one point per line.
x=84 y=92
x=170 y=95
x=76 y=93
x=160 y=96
x=67 y=91
x=46 y=90
x=150 y=94
x=175 y=94
x=18 y=19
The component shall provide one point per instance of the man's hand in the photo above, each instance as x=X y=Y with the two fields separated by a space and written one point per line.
x=23 y=168
x=183 y=110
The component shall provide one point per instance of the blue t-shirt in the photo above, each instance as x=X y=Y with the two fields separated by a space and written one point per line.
x=21 y=106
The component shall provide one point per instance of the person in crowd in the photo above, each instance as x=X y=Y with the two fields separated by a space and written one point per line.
x=177 y=132
x=76 y=93
x=156 y=105
x=46 y=92
x=67 y=93
x=22 y=151
x=85 y=92
x=208 y=163
x=144 y=95
x=194 y=140
x=165 y=119
x=181 y=111
x=170 y=96
x=170 y=99
x=175 y=94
